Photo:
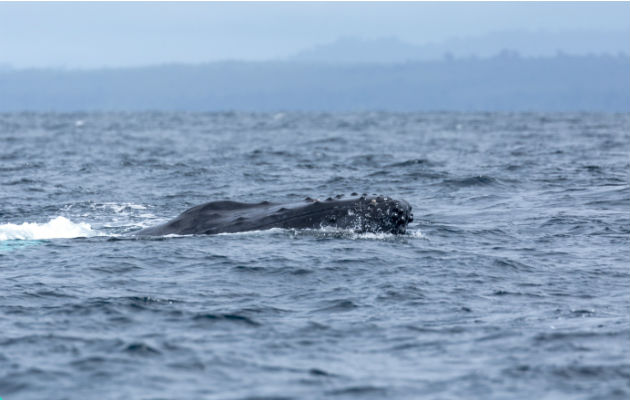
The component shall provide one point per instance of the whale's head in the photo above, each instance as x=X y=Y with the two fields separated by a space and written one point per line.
x=366 y=214
x=383 y=214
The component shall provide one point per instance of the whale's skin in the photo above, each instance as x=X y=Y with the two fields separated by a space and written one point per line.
x=361 y=214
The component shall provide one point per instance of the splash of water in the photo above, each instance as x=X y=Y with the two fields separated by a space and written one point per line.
x=56 y=228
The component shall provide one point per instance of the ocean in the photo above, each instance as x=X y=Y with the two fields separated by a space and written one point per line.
x=513 y=281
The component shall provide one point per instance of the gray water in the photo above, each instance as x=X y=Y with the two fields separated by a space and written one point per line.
x=513 y=281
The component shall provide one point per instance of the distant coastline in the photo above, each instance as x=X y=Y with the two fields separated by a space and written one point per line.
x=504 y=82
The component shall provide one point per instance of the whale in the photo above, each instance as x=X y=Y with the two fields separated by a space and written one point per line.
x=359 y=214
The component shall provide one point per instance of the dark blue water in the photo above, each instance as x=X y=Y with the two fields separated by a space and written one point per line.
x=512 y=282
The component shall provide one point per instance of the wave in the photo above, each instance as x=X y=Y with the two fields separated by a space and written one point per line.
x=479 y=180
x=56 y=228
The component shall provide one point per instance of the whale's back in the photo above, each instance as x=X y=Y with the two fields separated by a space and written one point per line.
x=377 y=214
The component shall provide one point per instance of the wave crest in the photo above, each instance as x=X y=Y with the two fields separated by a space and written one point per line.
x=56 y=228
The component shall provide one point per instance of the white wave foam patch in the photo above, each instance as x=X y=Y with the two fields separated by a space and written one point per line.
x=416 y=234
x=328 y=232
x=120 y=208
x=261 y=232
x=57 y=228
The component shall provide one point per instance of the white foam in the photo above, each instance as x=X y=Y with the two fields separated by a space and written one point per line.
x=119 y=208
x=329 y=231
x=57 y=228
x=416 y=234
x=254 y=233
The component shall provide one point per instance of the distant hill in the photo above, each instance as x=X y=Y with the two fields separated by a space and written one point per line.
x=506 y=82
x=527 y=44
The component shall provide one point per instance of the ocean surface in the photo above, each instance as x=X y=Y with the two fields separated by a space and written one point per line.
x=513 y=282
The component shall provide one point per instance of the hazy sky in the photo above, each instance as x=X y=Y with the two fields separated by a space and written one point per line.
x=125 y=34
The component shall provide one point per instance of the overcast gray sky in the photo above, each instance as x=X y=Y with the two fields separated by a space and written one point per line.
x=127 y=34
